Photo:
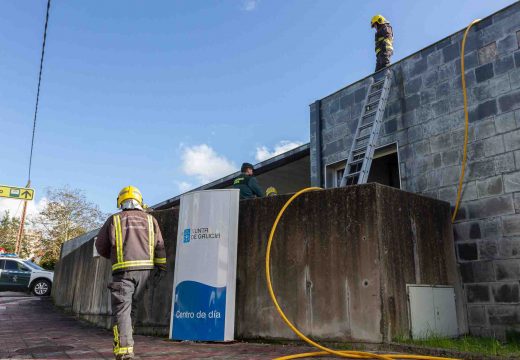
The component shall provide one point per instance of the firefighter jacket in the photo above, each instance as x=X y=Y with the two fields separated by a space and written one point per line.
x=248 y=186
x=132 y=240
x=384 y=38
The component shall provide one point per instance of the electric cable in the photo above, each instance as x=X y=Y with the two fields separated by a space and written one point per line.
x=466 y=121
x=24 y=211
x=325 y=350
x=38 y=90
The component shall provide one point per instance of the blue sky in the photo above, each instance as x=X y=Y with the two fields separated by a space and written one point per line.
x=166 y=95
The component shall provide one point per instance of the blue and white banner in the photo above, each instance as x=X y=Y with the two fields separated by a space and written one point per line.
x=203 y=304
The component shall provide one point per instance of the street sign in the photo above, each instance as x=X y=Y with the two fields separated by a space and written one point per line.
x=18 y=193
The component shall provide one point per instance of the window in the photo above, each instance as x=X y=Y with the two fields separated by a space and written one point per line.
x=15 y=266
x=33 y=265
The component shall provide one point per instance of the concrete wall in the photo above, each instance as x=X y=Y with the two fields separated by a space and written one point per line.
x=72 y=244
x=424 y=115
x=340 y=263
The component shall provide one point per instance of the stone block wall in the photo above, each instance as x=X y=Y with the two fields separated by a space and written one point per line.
x=425 y=117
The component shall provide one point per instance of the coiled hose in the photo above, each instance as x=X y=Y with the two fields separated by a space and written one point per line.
x=324 y=350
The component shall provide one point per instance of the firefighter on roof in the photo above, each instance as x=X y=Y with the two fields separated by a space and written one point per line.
x=384 y=41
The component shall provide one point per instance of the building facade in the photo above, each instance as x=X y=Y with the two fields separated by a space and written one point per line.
x=420 y=150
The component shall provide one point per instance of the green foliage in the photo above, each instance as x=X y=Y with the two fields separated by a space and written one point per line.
x=9 y=227
x=66 y=215
x=8 y=232
x=470 y=344
x=48 y=263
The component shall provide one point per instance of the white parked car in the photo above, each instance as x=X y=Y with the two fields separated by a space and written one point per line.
x=23 y=275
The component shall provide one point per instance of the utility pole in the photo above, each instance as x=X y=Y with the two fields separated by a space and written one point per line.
x=22 y=223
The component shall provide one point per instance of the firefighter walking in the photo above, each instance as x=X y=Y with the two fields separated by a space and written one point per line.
x=384 y=39
x=132 y=240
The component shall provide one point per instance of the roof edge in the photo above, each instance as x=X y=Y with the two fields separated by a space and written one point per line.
x=260 y=168
x=516 y=3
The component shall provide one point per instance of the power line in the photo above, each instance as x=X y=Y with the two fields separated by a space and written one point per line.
x=38 y=92
x=24 y=211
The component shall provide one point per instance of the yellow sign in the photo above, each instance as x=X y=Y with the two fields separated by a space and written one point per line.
x=19 y=193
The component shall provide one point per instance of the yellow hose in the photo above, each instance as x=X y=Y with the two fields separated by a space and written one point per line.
x=325 y=350
x=466 y=118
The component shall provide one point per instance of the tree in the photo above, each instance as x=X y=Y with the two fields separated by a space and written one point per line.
x=66 y=215
x=8 y=231
x=9 y=226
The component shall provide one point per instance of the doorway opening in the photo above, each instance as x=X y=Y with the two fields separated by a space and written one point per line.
x=383 y=170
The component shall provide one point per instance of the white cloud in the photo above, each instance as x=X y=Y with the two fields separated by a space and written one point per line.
x=250 y=5
x=15 y=207
x=202 y=162
x=184 y=186
x=263 y=152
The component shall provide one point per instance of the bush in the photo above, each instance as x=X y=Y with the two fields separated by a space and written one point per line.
x=48 y=264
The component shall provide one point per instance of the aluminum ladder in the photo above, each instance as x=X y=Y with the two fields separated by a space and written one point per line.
x=363 y=146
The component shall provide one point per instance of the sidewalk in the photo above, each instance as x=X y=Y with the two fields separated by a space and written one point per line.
x=31 y=328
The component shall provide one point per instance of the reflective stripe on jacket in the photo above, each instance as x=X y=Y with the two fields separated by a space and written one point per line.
x=248 y=186
x=384 y=38
x=132 y=240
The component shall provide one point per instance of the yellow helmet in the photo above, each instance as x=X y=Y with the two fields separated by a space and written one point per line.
x=271 y=191
x=379 y=19
x=129 y=192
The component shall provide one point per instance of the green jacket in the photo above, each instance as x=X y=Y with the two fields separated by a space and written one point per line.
x=248 y=187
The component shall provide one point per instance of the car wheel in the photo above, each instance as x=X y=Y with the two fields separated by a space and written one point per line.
x=41 y=287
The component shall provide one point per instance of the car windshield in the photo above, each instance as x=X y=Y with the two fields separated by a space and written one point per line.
x=33 y=265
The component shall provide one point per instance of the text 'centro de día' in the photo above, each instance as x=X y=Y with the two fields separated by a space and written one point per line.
x=203 y=233
x=213 y=314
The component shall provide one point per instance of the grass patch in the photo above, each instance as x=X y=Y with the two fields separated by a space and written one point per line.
x=483 y=346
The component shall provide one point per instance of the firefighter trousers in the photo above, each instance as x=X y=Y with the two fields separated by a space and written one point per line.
x=126 y=289
x=383 y=59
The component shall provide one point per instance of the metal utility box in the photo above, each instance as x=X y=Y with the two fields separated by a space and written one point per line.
x=432 y=311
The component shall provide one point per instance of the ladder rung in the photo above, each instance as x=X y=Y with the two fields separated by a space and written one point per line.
x=372 y=99
x=353 y=162
x=376 y=84
x=362 y=127
x=372 y=113
x=353 y=174
x=369 y=110
x=377 y=92
x=373 y=103
x=375 y=96
x=364 y=147
x=363 y=137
